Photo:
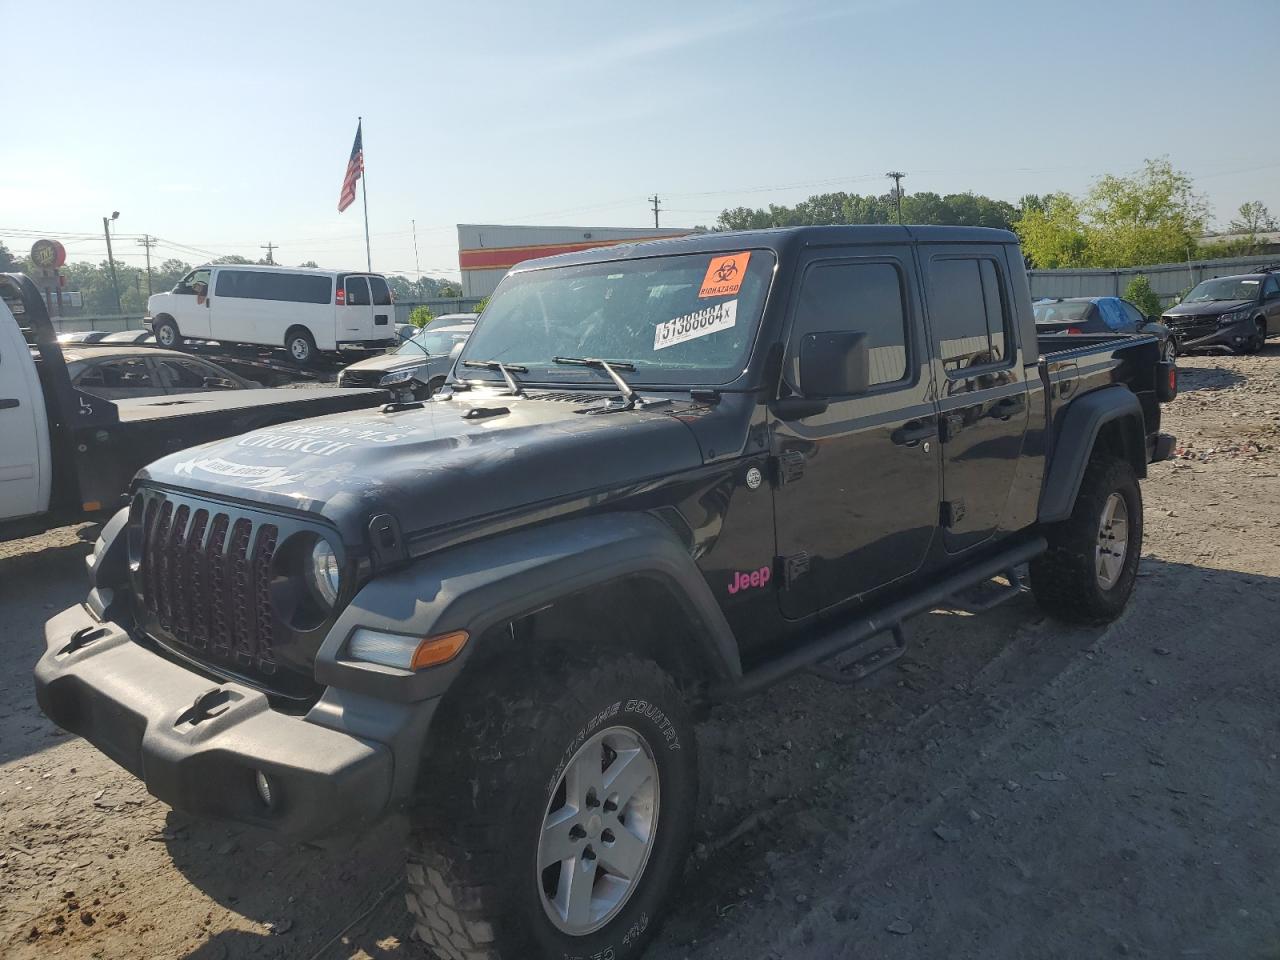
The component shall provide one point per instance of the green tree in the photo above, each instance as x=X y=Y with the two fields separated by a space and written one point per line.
x=1253 y=218
x=421 y=315
x=232 y=258
x=1153 y=216
x=1140 y=294
x=310 y=264
x=8 y=262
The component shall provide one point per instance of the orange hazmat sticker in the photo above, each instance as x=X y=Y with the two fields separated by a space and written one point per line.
x=724 y=275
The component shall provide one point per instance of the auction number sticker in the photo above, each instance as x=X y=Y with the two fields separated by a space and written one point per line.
x=700 y=323
x=724 y=275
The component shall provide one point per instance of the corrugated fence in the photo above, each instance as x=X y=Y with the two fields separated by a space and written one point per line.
x=1168 y=280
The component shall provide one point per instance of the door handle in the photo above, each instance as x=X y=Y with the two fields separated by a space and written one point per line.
x=1007 y=408
x=8 y=403
x=912 y=432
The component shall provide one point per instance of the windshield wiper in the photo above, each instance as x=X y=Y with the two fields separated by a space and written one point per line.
x=414 y=341
x=505 y=369
x=611 y=367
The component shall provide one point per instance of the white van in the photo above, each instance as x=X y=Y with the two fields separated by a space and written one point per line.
x=299 y=309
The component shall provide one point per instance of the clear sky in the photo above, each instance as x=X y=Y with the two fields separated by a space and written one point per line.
x=221 y=126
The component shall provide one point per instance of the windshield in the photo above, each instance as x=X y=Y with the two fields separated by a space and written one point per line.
x=1061 y=312
x=434 y=342
x=681 y=319
x=1224 y=288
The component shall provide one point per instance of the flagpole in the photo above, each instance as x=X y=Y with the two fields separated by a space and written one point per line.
x=364 y=193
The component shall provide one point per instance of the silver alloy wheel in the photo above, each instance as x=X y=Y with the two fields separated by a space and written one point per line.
x=299 y=348
x=1170 y=350
x=1113 y=541
x=165 y=335
x=598 y=831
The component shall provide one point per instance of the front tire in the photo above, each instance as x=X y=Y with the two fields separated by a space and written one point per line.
x=1091 y=566
x=167 y=335
x=301 y=346
x=558 y=812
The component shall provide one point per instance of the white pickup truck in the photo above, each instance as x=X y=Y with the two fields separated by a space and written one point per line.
x=67 y=455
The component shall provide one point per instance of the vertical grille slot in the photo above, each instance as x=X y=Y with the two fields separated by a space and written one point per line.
x=160 y=558
x=240 y=592
x=195 y=566
x=220 y=634
x=264 y=549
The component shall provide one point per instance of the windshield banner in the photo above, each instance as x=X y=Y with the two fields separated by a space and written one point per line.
x=700 y=323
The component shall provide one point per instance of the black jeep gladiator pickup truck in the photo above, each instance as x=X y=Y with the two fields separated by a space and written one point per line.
x=661 y=475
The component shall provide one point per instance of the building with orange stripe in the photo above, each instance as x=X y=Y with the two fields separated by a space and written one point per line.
x=487 y=251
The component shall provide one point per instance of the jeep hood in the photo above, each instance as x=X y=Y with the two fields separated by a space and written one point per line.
x=435 y=465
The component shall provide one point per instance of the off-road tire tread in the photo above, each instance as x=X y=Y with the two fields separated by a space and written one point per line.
x=1063 y=578
x=458 y=869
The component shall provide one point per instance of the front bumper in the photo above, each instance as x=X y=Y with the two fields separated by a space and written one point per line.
x=198 y=744
x=1227 y=338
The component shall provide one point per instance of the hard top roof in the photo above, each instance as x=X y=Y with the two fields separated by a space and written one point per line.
x=780 y=240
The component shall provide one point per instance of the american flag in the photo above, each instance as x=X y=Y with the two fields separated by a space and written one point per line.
x=355 y=167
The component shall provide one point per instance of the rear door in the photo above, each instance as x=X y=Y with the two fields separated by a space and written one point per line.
x=1271 y=302
x=355 y=319
x=981 y=388
x=24 y=472
x=383 y=311
x=858 y=498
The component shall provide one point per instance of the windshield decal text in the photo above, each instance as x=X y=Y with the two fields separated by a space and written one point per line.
x=724 y=275
x=700 y=323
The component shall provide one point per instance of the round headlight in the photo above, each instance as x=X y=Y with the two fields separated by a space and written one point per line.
x=324 y=573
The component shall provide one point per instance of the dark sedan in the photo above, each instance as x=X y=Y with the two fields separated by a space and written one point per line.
x=118 y=373
x=426 y=358
x=1228 y=313
x=1067 y=316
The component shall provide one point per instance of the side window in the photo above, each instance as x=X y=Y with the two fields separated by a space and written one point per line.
x=234 y=283
x=182 y=373
x=1271 y=288
x=1133 y=315
x=866 y=297
x=381 y=292
x=968 y=312
x=119 y=374
x=357 y=292
x=188 y=283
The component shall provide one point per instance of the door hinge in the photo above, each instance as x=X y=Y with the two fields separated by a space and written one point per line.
x=789 y=466
x=952 y=512
x=793 y=568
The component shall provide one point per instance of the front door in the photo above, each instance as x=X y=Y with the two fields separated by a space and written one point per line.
x=21 y=425
x=982 y=394
x=355 y=320
x=857 y=501
x=190 y=304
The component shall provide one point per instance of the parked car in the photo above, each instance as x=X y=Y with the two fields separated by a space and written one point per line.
x=67 y=454
x=666 y=475
x=82 y=336
x=117 y=373
x=129 y=336
x=301 y=310
x=1228 y=313
x=1070 y=316
x=419 y=365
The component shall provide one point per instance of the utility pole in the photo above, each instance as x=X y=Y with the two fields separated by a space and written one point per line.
x=147 y=242
x=111 y=260
x=269 y=247
x=417 y=267
x=656 y=207
x=896 y=176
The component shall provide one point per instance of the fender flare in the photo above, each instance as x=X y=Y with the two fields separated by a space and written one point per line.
x=1083 y=420
x=483 y=584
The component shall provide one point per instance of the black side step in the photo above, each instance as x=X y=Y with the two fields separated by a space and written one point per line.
x=981 y=597
x=865 y=658
x=827 y=644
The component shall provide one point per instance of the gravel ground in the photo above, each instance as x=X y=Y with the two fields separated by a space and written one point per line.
x=1011 y=789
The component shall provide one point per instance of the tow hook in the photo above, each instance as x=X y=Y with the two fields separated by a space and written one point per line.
x=209 y=704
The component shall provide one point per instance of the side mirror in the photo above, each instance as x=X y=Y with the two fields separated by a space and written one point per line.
x=1153 y=318
x=834 y=364
x=219 y=383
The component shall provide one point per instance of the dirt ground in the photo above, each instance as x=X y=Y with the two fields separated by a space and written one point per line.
x=1012 y=789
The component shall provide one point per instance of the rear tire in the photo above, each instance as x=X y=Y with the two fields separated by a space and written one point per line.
x=1090 y=568
x=1169 y=352
x=301 y=346
x=167 y=335
x=519 y=772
